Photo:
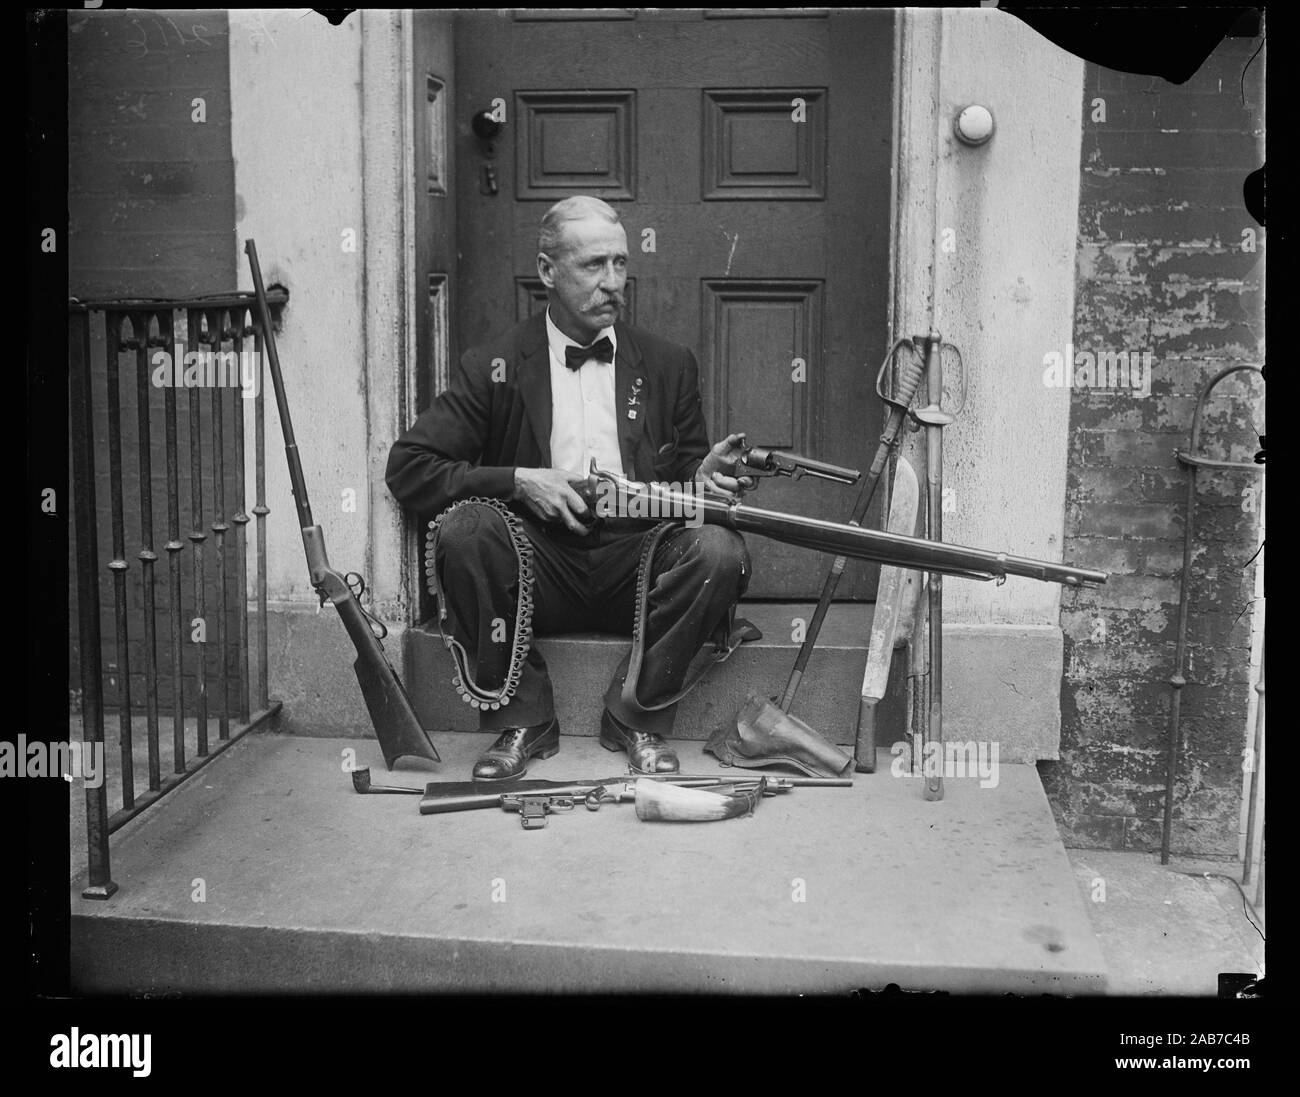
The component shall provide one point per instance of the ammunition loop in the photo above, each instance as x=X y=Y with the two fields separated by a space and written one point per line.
x=472 y=693
x=641 y=610
x=652 y=543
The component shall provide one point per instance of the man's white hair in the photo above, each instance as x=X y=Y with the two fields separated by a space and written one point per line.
x=550 y=237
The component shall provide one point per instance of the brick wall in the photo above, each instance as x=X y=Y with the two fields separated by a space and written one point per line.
x=151 y=208
x=1163 y=268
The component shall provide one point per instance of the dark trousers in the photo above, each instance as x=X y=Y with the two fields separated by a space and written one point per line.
x=586 y=583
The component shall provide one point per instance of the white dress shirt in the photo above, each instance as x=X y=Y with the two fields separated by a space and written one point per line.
x=583 y=420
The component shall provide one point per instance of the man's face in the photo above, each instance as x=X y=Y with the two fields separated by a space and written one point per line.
x=585 y=281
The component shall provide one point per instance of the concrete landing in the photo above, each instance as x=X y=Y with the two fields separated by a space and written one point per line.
x=308 y=886
x=1169 y=929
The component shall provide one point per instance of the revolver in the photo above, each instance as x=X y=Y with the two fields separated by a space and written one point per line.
x=756 y=462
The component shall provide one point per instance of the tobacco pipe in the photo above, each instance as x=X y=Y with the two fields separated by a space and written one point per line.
x=362 y=783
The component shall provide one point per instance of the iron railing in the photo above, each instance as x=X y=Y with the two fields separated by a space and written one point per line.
x=181 y=329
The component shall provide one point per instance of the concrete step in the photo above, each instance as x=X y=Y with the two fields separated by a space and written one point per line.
x=309 y=887
x=1001 y=682
x=581 y=665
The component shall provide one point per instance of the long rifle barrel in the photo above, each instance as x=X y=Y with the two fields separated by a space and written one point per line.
x=397 y=727
x=662 y=501
x=296 y=480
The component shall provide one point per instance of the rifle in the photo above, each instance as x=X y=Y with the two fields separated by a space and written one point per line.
x=535 y=799
x=660 y=796
x=663 y=501
x=398 y=729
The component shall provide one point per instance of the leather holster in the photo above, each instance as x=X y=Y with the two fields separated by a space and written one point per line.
x=788 y=742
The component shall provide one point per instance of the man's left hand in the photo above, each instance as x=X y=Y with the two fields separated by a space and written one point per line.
x=716 y=470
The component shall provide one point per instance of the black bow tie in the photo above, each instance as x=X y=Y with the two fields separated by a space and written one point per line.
x=602 y=350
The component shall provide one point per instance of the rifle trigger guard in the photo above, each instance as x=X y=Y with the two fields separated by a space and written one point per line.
x=356 y=583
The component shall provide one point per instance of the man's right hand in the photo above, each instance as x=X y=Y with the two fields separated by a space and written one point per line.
x=549 y=494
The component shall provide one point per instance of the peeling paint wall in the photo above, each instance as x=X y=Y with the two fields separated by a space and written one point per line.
x=1170 y=268
x=296 y=130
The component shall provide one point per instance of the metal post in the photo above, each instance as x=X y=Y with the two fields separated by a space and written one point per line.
x=241 y=518
x=1256 y=773
x=174 y=548
x=118 y=565
x=217 y=331
x=1259 y=886
x=919 y=673
x=197 y=537
x=143 y=323
x=1176 y=680
x=261 y=510
x=1192 y=461
x=100 y=883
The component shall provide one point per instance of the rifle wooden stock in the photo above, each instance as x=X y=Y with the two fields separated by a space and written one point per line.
x=837 y=538
x=397 y=728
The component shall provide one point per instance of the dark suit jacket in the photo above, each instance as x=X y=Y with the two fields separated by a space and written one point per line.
x=479 y=431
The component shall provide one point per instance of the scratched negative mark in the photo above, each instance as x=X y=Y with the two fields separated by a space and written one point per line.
x=139 y=48
x=731 y=254
x=1047 y=936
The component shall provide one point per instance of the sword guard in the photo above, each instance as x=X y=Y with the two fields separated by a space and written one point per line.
x=932 y=416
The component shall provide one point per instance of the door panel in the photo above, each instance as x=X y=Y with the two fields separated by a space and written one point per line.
x=575 y=142
x=433 y=97
x=749 y=160
x=752 y=150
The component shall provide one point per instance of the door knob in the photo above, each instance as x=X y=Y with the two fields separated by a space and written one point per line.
x=485 y=125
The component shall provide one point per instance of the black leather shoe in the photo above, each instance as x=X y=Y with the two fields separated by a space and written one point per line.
x=507 y=758
x=647 y=752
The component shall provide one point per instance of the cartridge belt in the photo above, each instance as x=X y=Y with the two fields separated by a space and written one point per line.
x=470 y=691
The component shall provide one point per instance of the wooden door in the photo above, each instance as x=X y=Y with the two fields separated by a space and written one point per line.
x=749 y=157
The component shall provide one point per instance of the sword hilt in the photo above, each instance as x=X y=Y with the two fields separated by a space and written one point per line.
x=909 y=377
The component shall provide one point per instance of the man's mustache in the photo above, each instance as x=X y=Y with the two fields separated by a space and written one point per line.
x=614 y=299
